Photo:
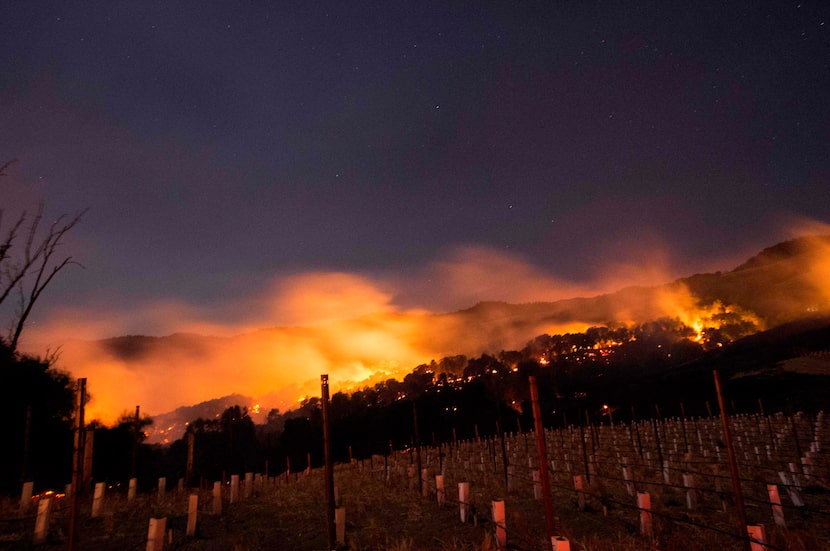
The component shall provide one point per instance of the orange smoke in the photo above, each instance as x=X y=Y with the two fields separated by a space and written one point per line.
x=352 y=327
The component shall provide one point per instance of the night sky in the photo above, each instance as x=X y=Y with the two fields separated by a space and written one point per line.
x=420 y=154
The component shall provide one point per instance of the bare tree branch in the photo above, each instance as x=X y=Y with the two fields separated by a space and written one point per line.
x=45 y=272
x=29 y=263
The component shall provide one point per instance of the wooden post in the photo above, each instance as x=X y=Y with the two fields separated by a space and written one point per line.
x=657 y=441
x=162 y=487
x=155 y=534
x=417 y=435
x=331 y=529
x=88 y=444
x=192 y=510
x=463 y=500
x=191 y=444
x=97 y=500
x=733 y=462
x=644 y=504
x=77 y=467
x=44 y=508
x=584 y=453
x=27 y=429
x=541 y=450
x=424 y=485
x=501 y=527
x=136 y=429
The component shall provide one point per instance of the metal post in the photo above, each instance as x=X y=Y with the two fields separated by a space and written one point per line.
x=550 y=521
x=733 y=462
x=330 y=526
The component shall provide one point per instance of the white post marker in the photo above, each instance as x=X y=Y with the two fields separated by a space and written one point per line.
x=439 y=488
x=192 y=511
x=340 y=524
x=132 y=489
x=217 y=498
x=463 y=496
x=537 y=485
x=560 y=543
x=691 y=492
x=775 y=502
x=757 y=533
x=629 y=485
x=26 y=496
x=162 y=486
x=156 y=533
x=644 y=504
x=234 y=488
x=249 y=485
x=501 y=527
x=44 y=508
x=97 y=499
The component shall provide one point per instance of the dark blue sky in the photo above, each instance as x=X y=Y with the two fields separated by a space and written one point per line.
x=221 y=145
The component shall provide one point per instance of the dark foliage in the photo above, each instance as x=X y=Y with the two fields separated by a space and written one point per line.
x=30 y=388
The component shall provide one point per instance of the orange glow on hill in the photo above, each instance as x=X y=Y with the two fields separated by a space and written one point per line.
x=350 y=327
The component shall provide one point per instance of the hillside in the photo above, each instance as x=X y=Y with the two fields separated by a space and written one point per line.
x=782 y=284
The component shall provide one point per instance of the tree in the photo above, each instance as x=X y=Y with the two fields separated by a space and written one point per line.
x=29 y=262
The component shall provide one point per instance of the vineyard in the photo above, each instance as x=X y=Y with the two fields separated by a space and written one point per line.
x=649 y=484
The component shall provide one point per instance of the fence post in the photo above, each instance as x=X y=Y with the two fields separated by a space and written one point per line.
x=733 y=462
x=541 y=450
